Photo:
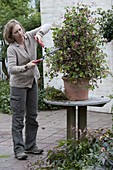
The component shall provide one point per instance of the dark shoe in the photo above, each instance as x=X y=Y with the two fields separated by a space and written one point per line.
x=35 y=150
x=21 y=156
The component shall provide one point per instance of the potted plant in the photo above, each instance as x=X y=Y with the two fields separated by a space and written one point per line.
x=80 y=56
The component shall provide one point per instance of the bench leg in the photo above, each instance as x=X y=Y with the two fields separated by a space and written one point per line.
x=71 y=122
x=82 y=119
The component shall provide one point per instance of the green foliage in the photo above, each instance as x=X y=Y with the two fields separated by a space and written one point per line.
x=54 y=94
x=106 y=23
x=80 y=54
x=42 y=93
x=95 y=151
x=17 y=9
x=37 y=3
x=50 y=93
x=24 y=13
x=4 y=97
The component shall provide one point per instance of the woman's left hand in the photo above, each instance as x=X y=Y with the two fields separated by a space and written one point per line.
x=31 y=64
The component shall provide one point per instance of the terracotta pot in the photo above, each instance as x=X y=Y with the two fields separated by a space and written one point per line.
x=76 y=89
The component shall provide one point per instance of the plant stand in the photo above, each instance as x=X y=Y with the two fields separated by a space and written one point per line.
x=77 y=121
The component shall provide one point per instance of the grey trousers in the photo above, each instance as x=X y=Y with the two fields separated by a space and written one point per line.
x=24 y=104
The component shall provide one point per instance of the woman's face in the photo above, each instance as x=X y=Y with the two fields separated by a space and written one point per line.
x=17 y=34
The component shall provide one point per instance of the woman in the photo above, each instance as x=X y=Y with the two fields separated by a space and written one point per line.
x=24 y=74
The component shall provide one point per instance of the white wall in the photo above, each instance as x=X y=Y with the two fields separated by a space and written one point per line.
x=52 y=12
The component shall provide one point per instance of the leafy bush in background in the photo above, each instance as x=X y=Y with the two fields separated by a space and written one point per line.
x=106 y=23
x=4 y=97
x=42 y=93
x=54 y=94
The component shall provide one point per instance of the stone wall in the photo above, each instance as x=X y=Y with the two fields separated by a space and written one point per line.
x=52 y=12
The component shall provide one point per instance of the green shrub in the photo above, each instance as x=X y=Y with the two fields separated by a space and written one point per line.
x=4 y=97
x=54 y=94
x=42 y=93
x=94 y=152
x=49 y=93
x=106 y=23
x=41 y=104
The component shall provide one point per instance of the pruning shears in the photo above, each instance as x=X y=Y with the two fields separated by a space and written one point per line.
x=45 y=49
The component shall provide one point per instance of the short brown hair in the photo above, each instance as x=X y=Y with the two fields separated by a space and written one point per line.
x=7 y=34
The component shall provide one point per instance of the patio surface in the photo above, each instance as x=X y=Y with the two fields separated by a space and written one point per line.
x=52 y=129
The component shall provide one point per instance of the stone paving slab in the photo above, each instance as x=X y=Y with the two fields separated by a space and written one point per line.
x=52 y=129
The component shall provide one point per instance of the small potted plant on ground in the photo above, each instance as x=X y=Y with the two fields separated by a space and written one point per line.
x=80 y=57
